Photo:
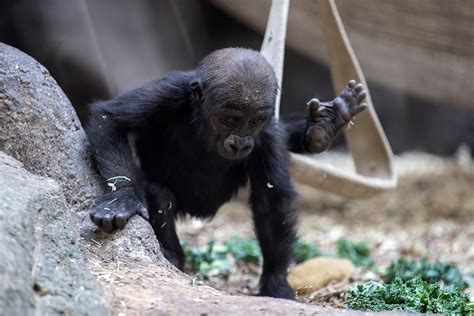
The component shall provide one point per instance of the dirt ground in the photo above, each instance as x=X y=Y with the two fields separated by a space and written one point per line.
x=430 y=215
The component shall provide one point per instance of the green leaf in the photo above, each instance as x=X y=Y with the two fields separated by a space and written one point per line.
x=358 y=253
x=244 y=249
x=304 y=251
x=208 y=261
x=212 y=259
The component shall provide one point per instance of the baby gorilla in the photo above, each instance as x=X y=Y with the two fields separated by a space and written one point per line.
x=186 y=143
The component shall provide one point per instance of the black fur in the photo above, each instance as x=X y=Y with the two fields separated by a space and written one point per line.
x=184 y=166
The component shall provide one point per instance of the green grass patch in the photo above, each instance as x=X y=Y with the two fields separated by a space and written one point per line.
x=207 y=261
x=438 y=272
x=304 y=251
x=414 y=295
x=359 y=253
x=244 y=249
x=218 y=259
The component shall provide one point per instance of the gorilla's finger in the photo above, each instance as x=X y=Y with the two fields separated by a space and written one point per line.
x=351 y=84
x=358 y=108
x=358 y=88
x=143 y=211
x=91 y=215
x=108 y=222
x=313 y=105
x=96 y=219
x=361 y=96
x=121 y=219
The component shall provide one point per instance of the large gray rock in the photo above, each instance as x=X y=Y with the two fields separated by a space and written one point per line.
x=43 y=269
x=38 y=126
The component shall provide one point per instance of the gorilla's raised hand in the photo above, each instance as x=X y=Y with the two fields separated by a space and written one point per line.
x=326 y=119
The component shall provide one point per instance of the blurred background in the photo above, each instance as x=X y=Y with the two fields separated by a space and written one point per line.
x=418 y=56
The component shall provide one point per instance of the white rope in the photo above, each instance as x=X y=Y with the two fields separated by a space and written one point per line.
x=368 y=144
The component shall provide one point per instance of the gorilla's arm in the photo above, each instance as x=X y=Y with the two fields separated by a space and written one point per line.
x=108 y=129
x=316 y=132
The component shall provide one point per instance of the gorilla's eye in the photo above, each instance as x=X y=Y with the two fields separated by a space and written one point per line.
x=257 y=121
x=231 y=121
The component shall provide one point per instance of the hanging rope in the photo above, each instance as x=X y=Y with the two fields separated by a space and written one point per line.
x=366 y=140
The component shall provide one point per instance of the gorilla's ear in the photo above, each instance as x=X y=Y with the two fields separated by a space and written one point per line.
x=197 y=90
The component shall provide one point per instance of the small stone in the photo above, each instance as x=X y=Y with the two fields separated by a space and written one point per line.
x=317 y=273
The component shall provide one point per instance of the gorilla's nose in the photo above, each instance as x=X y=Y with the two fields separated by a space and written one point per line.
x=235 y=144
